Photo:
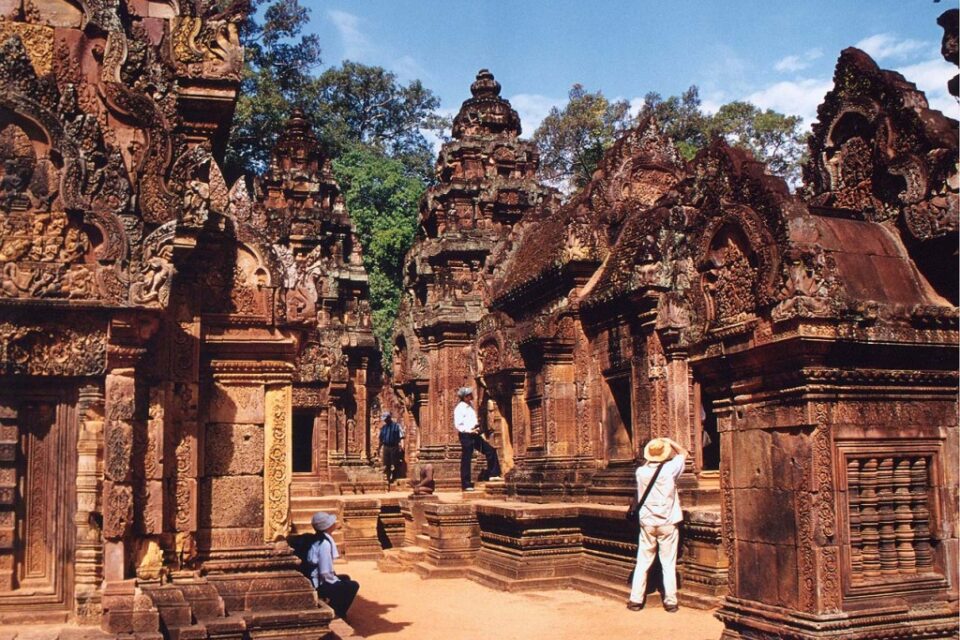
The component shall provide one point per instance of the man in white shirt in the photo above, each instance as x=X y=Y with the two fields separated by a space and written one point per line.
x=468 y=429
x=659 y=516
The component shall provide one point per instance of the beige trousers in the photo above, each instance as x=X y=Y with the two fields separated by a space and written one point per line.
x=663 y=538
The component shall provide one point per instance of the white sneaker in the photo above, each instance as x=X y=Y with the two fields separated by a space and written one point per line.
x=495 y=478
x=469 y=489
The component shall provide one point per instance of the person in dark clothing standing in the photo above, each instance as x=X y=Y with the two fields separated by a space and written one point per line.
x=391 y=442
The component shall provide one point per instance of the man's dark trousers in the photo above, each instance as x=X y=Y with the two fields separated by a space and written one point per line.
x=391 y=461
x=469 y=442
x=340 y=594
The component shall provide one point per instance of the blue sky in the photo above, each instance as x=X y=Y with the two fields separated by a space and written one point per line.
x=779 y=55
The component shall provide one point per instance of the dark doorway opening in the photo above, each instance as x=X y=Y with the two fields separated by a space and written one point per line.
x=710 y=436
x=303 y=441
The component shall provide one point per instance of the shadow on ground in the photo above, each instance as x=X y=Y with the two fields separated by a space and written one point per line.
x=366 y=618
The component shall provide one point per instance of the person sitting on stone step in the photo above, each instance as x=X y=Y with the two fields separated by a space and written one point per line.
x=337 y=589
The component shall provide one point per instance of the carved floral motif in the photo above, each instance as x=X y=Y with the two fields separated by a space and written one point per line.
x=277 y=465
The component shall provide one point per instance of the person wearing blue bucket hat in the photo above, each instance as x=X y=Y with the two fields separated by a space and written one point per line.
x=338 y=589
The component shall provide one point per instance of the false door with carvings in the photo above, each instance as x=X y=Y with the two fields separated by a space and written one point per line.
x=37 y=473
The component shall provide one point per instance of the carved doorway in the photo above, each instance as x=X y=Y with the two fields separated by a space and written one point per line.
x=38 y=471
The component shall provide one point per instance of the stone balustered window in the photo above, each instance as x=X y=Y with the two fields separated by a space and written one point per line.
x=890 y=505
x=536 y=423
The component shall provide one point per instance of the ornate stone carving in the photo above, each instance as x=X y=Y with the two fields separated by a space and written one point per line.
x=207 y=47
x=30 y=349
x=277 y=466
x=730 y=279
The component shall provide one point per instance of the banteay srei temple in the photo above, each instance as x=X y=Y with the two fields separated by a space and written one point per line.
x=188 y=369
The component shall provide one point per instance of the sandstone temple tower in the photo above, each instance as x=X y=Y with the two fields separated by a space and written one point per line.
x=487 y=182
x=299 y=210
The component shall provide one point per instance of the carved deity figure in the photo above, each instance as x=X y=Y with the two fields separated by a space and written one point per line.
x=424 y=485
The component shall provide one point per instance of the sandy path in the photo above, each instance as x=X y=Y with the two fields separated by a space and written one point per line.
x=401 y=606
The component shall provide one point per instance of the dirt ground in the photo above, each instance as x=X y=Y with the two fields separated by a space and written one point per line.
x=401 y=606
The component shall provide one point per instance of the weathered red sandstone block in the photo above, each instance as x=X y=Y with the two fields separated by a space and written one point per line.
x=231 y=501
x=233 y=449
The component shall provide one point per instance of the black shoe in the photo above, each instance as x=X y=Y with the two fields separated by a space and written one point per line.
x=671 y=608
x=635 y=606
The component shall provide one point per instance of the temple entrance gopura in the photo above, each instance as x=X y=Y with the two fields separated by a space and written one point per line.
x=188 y=368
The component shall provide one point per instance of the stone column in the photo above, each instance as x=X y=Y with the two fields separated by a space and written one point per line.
x=519 y=414
x=150 y=499
x=186 y=471
x=321 y=443
x=88 y=568
x=360 y=540
x=362 y=415
x=8 y=492
x=118 y=471
x=125 y=608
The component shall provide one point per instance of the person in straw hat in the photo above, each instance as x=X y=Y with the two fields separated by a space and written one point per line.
x=659 y=516
x=468 y=429
x=338 y=590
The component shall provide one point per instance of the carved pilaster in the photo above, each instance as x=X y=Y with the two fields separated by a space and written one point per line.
x=278 y=465
x=88 y=565
x=120 y=407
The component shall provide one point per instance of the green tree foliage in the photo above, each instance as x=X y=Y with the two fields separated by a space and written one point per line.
x=382 y=197
x=356 y=103
x=573 y=140
x=347 y=105
x=680 y=118
x=773 y=137
x=279 y=62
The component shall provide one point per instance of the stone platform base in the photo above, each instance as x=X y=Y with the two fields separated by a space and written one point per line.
x=753 y=621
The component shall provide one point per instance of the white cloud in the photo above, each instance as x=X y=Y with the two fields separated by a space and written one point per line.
x=636 y=104
x=533 y=108
x=799 y=98
x=359 y=48
x=885 y=45
x=931 y=77
x=435 y=140
x=407 y=68
x=794 y=63
x=711 y=101
x=356 y=45
x=726 y=71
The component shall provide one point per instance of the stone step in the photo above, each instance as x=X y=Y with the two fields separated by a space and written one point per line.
x=341 y=630
x=191 y=632
x=202 y=597
x=607 y=588
x=311 y=489
x=390 y=562
x=411 y=555
x=423 y=541
x=226 y=628
x=175 y=611
x=506 y=583
x=427 y=571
